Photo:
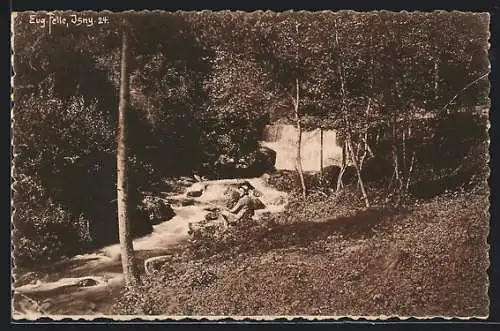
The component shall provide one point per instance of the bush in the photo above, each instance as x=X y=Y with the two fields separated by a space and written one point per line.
x=43 y=229
x=455 y=157
x=289 y=181
x=286 y=181
x=65 y=168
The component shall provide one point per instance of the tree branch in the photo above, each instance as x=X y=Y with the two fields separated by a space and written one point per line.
x=463 y=89
x=294 y=104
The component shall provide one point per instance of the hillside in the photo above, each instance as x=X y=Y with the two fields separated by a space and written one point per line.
x=425 y=261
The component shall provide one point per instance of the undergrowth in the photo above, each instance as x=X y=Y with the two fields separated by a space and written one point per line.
x=329 y=256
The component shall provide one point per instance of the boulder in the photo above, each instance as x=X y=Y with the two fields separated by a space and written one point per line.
x=155 y=263
x=212 y=216
x=87 y=282
x=196 y=190
x=194 y=194
x=258 y=204
x=187 y=202
x=157 y=209
x=253 y=164
x=267 y=157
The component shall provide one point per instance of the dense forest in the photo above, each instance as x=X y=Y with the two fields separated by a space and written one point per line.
x=407 y=94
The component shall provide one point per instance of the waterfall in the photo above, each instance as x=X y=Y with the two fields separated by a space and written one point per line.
x=282 y=139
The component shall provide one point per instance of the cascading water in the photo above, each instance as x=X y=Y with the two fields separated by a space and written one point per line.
x=282 y=139
x=87 y=283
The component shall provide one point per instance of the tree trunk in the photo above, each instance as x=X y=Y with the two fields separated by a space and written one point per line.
x=397 y=185
x=340 y=184
x=360 y=179
x=408 y=178
x=364 y=140
x=403 y=143
x=408 y=172
x=436 y=80
x=130 y=272
x=321 y=152
x=299 y=139
x=347 y=123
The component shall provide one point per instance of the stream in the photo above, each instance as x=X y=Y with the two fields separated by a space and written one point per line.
x=87 y=284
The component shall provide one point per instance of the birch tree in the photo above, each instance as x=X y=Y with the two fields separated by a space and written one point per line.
x=130 y=272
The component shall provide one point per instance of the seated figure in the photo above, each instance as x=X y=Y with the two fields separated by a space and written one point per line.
x=245 y=206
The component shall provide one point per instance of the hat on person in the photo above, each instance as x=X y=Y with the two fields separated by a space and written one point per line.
x=246 y=186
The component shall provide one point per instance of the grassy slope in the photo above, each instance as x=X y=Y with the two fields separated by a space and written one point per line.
x=428 y=260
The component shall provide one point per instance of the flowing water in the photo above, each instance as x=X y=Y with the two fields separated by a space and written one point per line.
x=87 y=284
x=282 y=138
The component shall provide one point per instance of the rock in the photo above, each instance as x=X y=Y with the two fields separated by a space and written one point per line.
x=87 y=282
x=260 y=161
x=155 y=263
x=187 y=179
x=184 y=183
x=212 y=216
x=157 y=209
x=258 y=204
x=267 y=157
x=194 y=194
x=187 y=202
x=167 y=212
x=196 y=190
x=253 y=164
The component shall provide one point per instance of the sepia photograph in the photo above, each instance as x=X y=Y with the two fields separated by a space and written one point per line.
x=261 y=165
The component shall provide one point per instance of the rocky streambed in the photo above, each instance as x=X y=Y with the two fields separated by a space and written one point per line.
x=86 y=284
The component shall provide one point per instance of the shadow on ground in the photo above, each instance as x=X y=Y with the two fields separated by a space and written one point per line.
x=364 y=224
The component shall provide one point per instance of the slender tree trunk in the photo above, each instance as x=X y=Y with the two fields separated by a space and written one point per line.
x=463 y=89
x=408 y=178
x=130 y=271
x=347 y=122
x=299 y=161
x=403 y=141
x=366 y=147
x=407 y=173
x=360 y=179
x=436 y=80
x=321 y=152
x=367 y=151
x=340 y=184
x=398 y=183
x=299 y=138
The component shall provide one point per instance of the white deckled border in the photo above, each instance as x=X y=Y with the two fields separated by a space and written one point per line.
x=202 y=318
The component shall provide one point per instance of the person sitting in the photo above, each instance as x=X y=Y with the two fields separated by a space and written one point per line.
x=245 y=206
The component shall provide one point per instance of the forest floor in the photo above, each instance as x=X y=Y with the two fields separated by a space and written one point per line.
x=328 y=257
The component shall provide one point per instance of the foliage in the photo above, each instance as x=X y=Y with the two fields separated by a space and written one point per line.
x=203 y=87
x=44 y=230
x=66 y=146
x=407 y=263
